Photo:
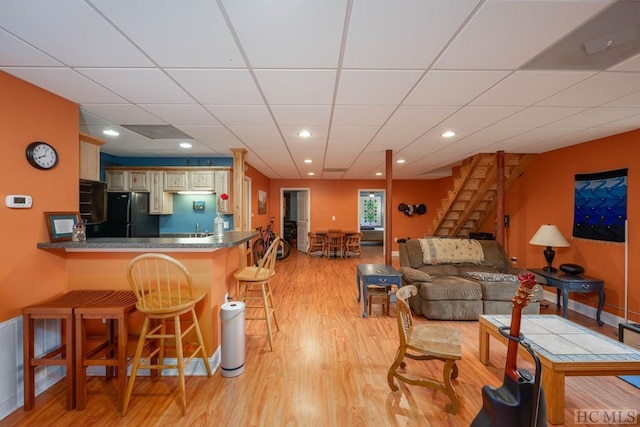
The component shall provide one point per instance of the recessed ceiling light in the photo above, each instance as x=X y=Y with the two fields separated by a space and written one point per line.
x=304 y=134
x=378 y=173
x=308 y=161
x=185 y=145
x=400 y=161
x=311 y=173
x=111 y=132
x=448 y=134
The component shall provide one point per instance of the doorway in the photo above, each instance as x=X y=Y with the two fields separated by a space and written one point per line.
x=372 y=216
x=295 y=221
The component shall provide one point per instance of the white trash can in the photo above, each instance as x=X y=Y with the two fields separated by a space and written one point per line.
x=232 y=346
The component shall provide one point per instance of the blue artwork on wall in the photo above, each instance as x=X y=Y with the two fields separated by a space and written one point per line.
x=600 y=206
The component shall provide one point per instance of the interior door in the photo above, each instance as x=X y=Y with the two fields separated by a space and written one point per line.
x=302 y=222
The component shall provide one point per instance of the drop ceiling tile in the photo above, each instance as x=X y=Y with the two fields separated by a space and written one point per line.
x=406 y=34
x=631 y=64
x=398 y=136
x=181 y=114
x=506 y=34
x=318 y=136
x=17 y=53
x=452 y=87
x=66 y=83
x=289 y=34
x=212 y=135
x=343 y=135
x=599 y=89
x=262 y=134
x=46 y=25
x=302 y=116
x=478 y=116
x=595 y=117
x=360 y=115
x=124 y=114
x=372 y=87
x=297 y=86
x=420 y=116
x=538 y=116
x=626 y=124
x=139 y=85
x=219 y=87
x=529 y=87
x=241 y=115
x=178 y=35
x=632 y=100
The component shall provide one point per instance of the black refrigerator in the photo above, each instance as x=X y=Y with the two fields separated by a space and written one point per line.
x=127 y=216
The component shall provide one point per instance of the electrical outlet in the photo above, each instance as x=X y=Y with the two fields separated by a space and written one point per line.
x=514 y=260
x=226 y=297
x=226 y=224
x=333 y=218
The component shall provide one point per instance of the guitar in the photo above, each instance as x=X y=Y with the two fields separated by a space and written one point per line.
x=519 y=402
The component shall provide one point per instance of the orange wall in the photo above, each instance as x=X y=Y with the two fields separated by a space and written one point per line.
x=544 y=195
x=29 y=114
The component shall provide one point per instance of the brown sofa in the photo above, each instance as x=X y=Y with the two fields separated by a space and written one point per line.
x=465 y=279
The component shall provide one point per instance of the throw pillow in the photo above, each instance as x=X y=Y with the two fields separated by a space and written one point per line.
x=413 y=275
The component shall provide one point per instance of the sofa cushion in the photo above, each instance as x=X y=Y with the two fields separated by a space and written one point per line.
x=414 y=253
x=494 y=255
x=440 y=270
x=463 y=269
x=505 y=291
x=413 y=275
x=450 y=288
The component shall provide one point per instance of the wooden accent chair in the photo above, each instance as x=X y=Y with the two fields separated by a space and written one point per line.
x=335 y=244
x=425 y=342
x=316 y=243
x=254 y=290
x=352 y=245
x=165 y=291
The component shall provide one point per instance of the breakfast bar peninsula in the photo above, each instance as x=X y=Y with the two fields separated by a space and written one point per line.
x=101 y=264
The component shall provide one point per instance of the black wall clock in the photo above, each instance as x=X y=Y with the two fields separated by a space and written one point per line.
x=42 y=155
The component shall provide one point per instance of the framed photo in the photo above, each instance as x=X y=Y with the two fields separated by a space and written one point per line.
x=60 y=225
x=262 y=202
x=198 y=205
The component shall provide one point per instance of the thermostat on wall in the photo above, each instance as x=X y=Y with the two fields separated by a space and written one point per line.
x=18 y=201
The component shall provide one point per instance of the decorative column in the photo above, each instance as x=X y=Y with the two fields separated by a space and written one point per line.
x=388 y=207
x=239 y=198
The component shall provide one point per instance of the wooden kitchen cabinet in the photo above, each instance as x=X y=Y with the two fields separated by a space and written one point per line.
x=223 y=185
x=176 y=180
x=90 y=157
x=202 y=181
x=117 y=180
x=139 y=180
x=160 y=202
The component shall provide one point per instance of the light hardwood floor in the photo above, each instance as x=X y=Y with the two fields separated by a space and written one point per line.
x=329 y=368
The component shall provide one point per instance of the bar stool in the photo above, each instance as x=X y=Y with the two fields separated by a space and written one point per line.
x=110 y=350
x=57 y=308
x=254 y=290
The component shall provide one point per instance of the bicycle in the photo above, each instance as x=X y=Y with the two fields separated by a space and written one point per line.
x=262 y=243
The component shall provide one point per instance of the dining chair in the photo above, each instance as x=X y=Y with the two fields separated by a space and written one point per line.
x=254 y=289
x=316 y=243
x=335 y=244
x=425 y=342
x=352 y=245
x=165 y=291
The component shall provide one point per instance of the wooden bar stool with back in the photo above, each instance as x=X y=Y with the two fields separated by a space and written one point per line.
x=165 y=291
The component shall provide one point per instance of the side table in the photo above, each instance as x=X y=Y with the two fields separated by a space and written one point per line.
x=375 y=274
x=565 y=283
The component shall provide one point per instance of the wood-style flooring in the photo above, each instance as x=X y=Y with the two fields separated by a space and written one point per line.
x=328 y=368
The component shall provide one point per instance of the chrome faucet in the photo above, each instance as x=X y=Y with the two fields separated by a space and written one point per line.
x=197 y=229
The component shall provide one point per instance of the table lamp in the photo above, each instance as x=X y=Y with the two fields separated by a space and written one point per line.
x=548 y=235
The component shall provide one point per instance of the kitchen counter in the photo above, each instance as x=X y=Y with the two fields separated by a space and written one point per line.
x=154 y=244
x=101 y=264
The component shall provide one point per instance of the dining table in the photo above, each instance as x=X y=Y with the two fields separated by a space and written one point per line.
x=325 y=235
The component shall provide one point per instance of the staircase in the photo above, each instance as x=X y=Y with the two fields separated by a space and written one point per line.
x=474 y=194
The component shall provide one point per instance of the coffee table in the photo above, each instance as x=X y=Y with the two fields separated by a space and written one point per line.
x=564 y=349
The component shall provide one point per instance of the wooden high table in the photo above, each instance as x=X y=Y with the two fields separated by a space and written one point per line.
x=564 y=349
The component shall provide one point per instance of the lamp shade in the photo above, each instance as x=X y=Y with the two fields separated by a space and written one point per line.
x=549 y=235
